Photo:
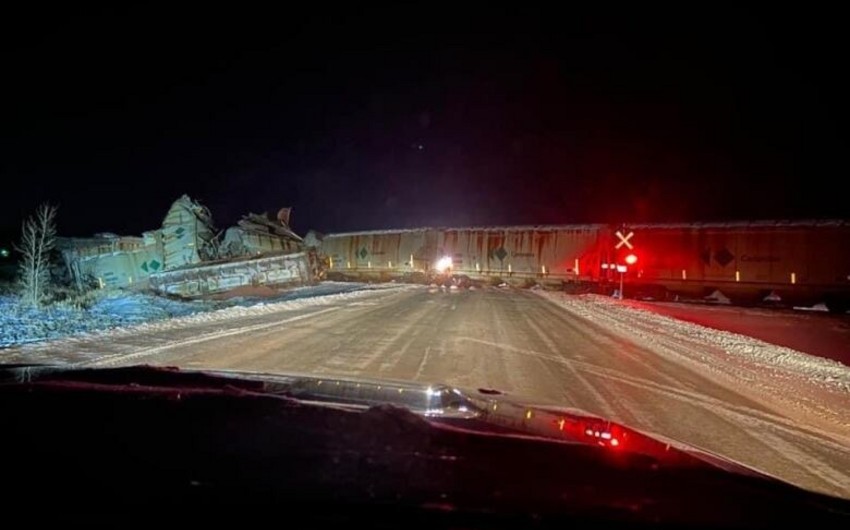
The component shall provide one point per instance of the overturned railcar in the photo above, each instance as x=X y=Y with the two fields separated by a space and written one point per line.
x=186 y=256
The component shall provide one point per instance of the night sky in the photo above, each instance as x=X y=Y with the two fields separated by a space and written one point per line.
x=427 y=115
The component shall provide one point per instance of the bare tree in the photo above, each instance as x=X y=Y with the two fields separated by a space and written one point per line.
x=38 y=237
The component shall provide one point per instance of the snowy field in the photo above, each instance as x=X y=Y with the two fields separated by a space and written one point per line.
x=21 y=325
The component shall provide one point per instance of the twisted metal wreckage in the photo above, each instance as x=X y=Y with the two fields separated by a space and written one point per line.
x=186 y=256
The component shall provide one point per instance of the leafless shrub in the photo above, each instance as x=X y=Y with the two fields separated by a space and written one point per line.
x=38 y=238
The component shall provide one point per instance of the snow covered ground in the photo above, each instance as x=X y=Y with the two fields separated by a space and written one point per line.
x=734 y=348
x=813 y=332
x=21 y=325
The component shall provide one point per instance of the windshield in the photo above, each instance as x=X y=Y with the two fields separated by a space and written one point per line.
x=628 y=215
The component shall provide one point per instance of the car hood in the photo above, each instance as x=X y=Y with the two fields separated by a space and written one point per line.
x=165 y=439
x=481 y=409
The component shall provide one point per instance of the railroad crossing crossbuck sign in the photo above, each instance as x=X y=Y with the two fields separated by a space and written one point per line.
x=624 y=240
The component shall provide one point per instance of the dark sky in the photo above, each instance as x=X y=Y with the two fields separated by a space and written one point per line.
x=423 y=115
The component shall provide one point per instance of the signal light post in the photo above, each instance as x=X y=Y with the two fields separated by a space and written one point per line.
x=631 y=259
x=622 y=270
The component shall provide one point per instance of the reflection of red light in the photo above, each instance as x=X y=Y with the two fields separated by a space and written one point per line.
x=609 y=435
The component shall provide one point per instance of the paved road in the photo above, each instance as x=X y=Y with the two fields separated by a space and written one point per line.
x=519 y=343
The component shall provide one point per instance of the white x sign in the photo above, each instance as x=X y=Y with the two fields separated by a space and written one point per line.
x=624 y=240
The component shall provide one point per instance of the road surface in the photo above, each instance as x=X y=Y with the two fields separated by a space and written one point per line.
x=514 y=341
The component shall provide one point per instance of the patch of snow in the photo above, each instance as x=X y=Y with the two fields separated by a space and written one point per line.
x=321 y=289
x=20 y=324
x=107 y=345
x=772 y=297
x=751 y=353
x=120 y=309
x=718 y=297
x=512 y=228
x=817 y=307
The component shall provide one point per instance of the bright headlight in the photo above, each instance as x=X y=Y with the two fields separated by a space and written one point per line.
x=443 y=264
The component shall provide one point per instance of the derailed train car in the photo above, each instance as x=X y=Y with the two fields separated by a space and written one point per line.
x=795 y=262
x=186 y=256
x=504 y=253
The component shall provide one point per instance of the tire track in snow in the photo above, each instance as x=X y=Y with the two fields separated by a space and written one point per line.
x=739 y=413
x=604 y=403
x=838 y=481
